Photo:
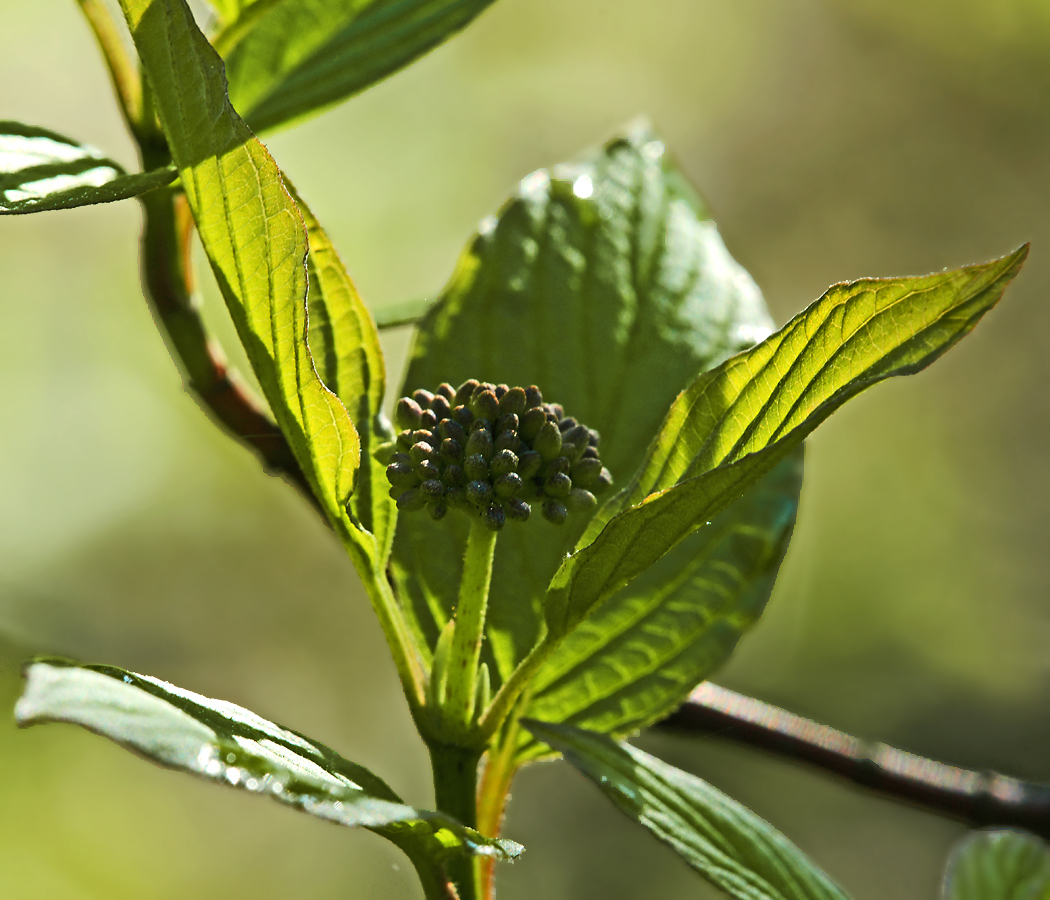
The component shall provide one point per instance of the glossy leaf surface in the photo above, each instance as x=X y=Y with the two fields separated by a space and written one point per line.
x=41 y=170
x=603 y=283
x=291 y=58
x=230 y=745
x=999 y=865
x=723 y=841
x=736 y=422
x=254 y=236
x=635 y=660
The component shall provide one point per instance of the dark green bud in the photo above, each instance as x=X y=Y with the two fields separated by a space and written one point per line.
x=580 y=500
x=427 y=470
x=503 y=462
x=465 y=392
x=548 y=441
x=400 y=458
x=531 y=423
x=585 y=471
x=454 y=476
x=404 y=441
x=558 y=485
x=561 y=465
x=428 y=420
x=401 y=475
x=508 y=421
x=500 y=390
x=529 y=463
x=603 y=482
x=384 y=452
x=567 y=423
x=420 y=451
x=447 y=391
x=407 y=413
x=423 y=398
x=590 y=453
x=395 y=492
x=593 y=438
x=479 y=493
x=463 y=416
x=451 y=429
x=481 y=425
x=517 y=509
x=512 y=402
x=533 y=397
x=411 y=500
x=484 y=405
x=437 y=509
x=508 y=485
x=578 y=435
x=554 y=512
x=494 y=517
x=556 y=410
x=480 y=442
x=451 y=451
x=424 y=435
x=432 y=489
x=508 y=440
x=476 y=467
x=440 y=408
x=456 y=497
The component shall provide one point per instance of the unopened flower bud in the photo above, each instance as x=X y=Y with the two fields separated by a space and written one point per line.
x=437 y=509
x=508 y=440
x=420 y=451
x=513 y=402
x=476 y=467
x=463 y=416
x=428 y=420
x=456 y=497
x=580 y=500
x=554 y=512
x=503 y=462
x=423 y=398
x=484 y=405
x=411 y=500
x=480 y=442
x=447 y=391
x=465 y=392
x=518 y=510
x=558 y=485
x=531 y=423
x=479 y=493
x=452 y=429
x=404 y=441
x=432 y=489
x=454 y=476
x=440 y=408
x=560 y=465
x=529 y=463
x=495 y=518
x=424 y=435
x=548 y=441
x=401 y=475
x=451 y=451
x=506 y=422
x=427 y=470
x=566 y=423
x=603 y=482
x=407 y=413
x=508 y=485
x=585 y=471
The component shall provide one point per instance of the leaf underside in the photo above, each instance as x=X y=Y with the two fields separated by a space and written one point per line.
x=221 y=742
x=727 y=844
x=999 y=865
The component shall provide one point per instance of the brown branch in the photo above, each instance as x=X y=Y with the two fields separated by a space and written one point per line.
x=978 y=799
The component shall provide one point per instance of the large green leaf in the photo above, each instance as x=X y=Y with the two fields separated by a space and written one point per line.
x=736 y=422
x=344 y=344
x=999 y=865
x=254 y=236
x=726 y=843
x=636 y=659
x=289 y=58
x=225 y=743
x=41 y=170
x=603 y=283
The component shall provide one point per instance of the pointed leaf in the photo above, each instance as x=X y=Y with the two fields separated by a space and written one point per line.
x=999 y=865
x=603 y=283
x=225 y=743
x=41 y=170
x=727 y=844
x=255 y=239
x=733 y=424
x=638 y=656
x=290 y=58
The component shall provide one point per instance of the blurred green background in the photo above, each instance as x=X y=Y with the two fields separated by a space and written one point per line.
x=833 y=140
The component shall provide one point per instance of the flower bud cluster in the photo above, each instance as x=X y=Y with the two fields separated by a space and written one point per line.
x=493 y=450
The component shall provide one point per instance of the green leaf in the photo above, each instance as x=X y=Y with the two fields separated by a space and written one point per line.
x=726 y=843
x=255 y=239
x=344 y=343
x=736 y=422
x=637 y=657
x=41 y=170
x=287 y=59
x=999 y=865
x=225 y=743
x=604 y=283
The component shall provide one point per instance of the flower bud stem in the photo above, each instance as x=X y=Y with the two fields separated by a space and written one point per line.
x=458 y=711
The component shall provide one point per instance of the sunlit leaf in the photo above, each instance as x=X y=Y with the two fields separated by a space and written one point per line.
x=603 y=283
x=637 y=657
x=290 y=58
x=735 y=423
x=254 y=236
x=225 y=743
x=723 y=841
x=41 y=170
x=999 y=865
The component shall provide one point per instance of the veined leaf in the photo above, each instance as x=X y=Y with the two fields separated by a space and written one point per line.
x=255 y=239
x=727 y=844
x=290 y=58
x=41 y=170
x=228 y=744
x=736 y=422
x=999 y=865
x=637 y=657
x=603 y=283
x=344 y=344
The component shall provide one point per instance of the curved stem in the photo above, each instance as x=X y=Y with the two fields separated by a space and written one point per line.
x=458 y=710
x=127 y=82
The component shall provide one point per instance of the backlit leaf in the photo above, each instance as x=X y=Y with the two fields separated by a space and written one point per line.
x=999 y=865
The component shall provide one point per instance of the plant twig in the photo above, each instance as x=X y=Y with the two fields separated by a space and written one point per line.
x=127 y=82
x=978 y=799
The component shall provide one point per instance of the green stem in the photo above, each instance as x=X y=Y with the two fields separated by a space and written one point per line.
x=456 y=791
x=458 y=711
x=124 y=74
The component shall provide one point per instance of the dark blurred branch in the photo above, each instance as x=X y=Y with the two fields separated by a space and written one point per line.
x=978 y=799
